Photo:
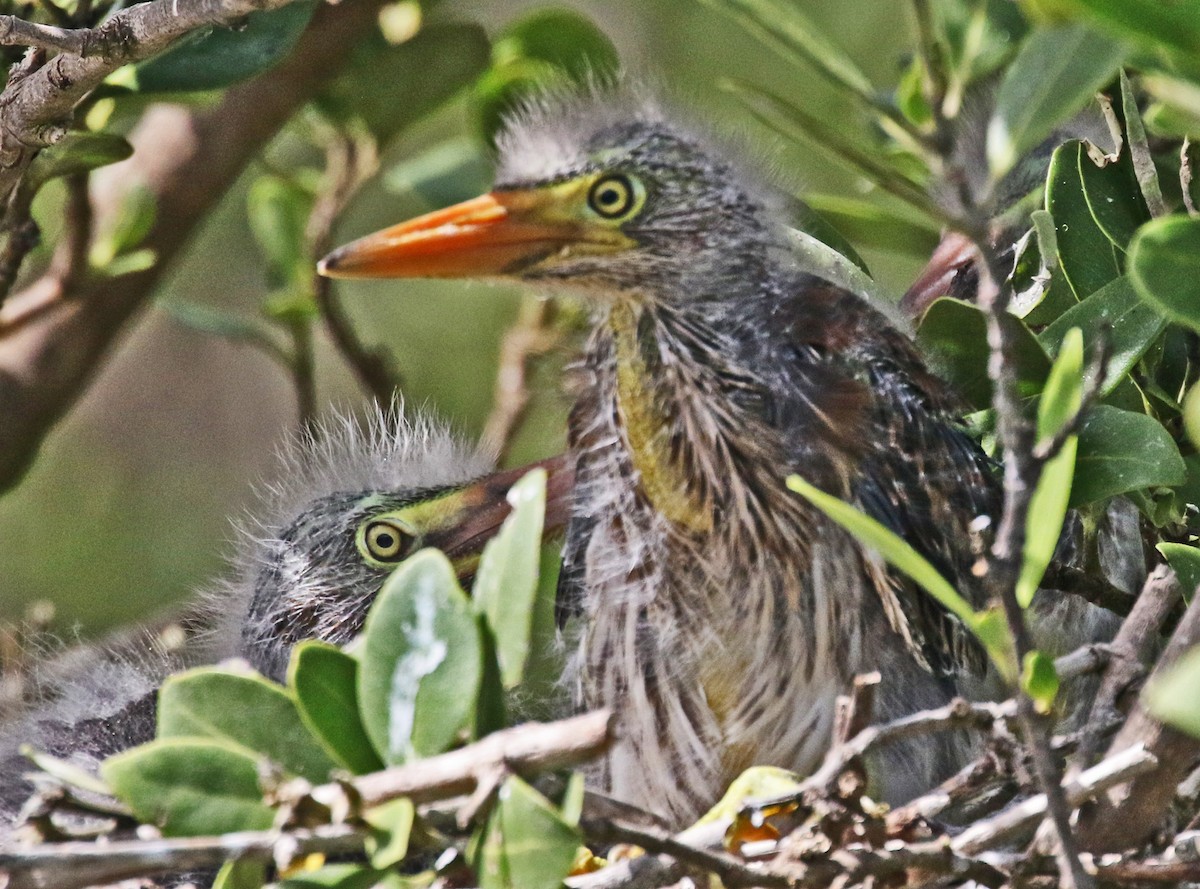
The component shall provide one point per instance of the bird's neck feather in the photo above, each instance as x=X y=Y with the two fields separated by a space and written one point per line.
x=649 y=421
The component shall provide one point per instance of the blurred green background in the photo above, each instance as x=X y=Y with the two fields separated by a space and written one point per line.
x=128 y=508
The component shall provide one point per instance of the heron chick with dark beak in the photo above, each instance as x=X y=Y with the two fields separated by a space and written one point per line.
x=721 y=614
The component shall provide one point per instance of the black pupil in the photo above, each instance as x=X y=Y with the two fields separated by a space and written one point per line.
x=384 y=540
x=610 y=195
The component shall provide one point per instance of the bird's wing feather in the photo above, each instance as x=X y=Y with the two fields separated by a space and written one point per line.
x=918 y=472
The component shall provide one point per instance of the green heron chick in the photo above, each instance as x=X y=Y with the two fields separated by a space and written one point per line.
x=721 y=615
x=351 y=502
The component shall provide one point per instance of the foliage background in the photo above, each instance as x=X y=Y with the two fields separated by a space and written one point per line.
x=127 y=508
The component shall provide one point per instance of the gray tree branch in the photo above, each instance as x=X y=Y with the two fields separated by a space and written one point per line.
x=50 y=345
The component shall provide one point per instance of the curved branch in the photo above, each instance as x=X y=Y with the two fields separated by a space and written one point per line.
x=50 y=346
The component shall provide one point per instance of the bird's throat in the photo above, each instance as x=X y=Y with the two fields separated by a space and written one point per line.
x=647 y=423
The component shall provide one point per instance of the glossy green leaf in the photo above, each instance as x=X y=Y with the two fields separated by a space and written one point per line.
x=1175 y=697
x=77 y=153
x=1122 y=451
x=527 y=844
x=243 y=709
x=870 y=225
x=391 y=825
x=1056 y=72
x=507 y=578
x=1039 y=680
x=278 y=211
x=212 y=58
x=407 y=81
x=1113 y=197
x=1059 y=404
x=1164 y=266
x=1128 y=324
x=324 y=681
x=802 y=217
x=1154 y=22
x=421 y=665
x=562 y=38
x=1184 y=559
x=190 y=786
x=953 y=337
x=1085 y=254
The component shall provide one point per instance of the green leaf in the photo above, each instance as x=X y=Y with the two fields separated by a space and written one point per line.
x=391 y=825
x=786 y=28
x=491 y=714
x=450 y=172
x=1085 y=254
x=407 y=81
x=244 y=873
x=1123 y=451
x=953 y=337
x=1113 y=197
x=243 y=709
x=336 y=876
x=77 y=153
x=421 y=664
x=1114 y=311
x=1059 y=404
x=870 y=225
x=1175 y=697
x=527 y=844
x=562 y=38
x=818 y=258
x=1056 y=72
x=898 y=552
x=507 y=578
x=1184 y=559
x=1039 y=680
x=1191 y=414
x=1164 y=266
x=1152 y=22
x=324 y=681
x=189 y=786
x=278 y=211
x=836 y=139
x=213 y=58
x=1139 y=149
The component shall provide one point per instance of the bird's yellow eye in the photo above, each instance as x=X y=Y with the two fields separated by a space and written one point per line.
x=613 y=196
x=386 y=541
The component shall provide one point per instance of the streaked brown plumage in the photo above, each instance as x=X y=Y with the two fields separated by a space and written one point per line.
x=720 y=614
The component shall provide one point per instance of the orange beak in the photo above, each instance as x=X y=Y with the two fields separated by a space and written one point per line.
x=492 y=234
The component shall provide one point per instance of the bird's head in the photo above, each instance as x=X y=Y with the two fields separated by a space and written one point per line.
x=353 y=504
x=603 y=194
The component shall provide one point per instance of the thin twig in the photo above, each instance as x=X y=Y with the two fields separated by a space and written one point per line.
x=1021 y=472
x=70 y=261
x=349 y=162
x=1128 y=815
x=18 y=32
x=526 y=749
x=732 y=872
x=1130 y=649
x=532 y=336
x=78 y=864
x=1027 y=814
